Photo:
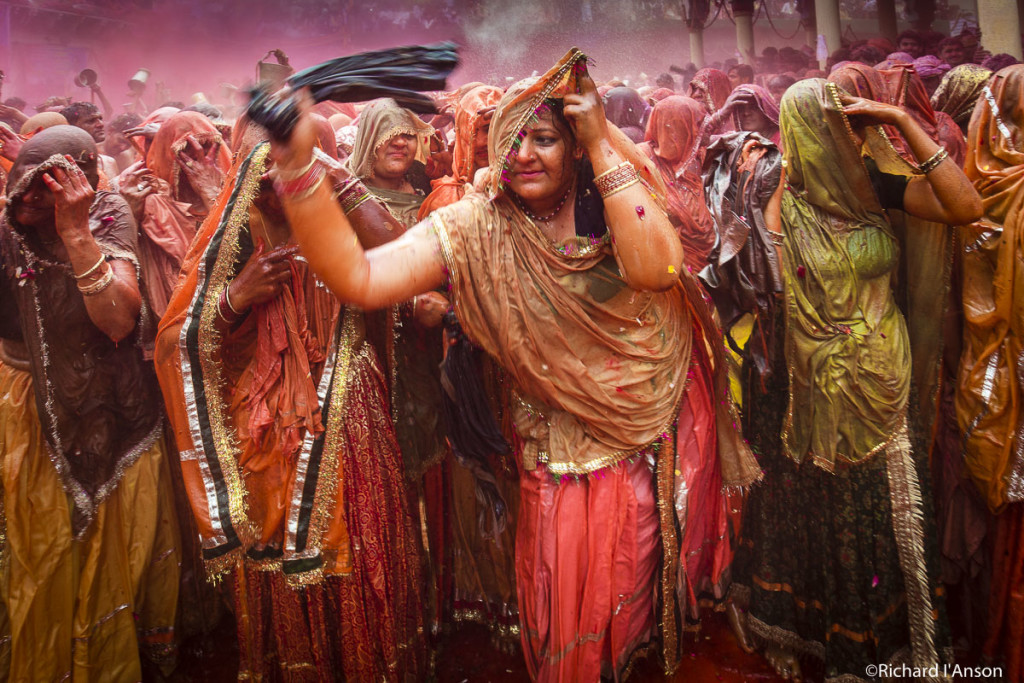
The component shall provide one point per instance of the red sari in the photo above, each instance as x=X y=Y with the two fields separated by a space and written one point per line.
x=672 y=142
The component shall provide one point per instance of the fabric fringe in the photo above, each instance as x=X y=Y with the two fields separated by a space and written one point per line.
x=908 y=528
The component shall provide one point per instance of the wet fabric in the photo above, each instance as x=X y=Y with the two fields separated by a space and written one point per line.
x=92 y=606
x=283 y=424
x=992 y=364
x=846 y=341
x=959 y=92
x=627 y=110
x=468 y=119
x=636 y=346
x=169 y=216
x=100 y=411
x=711 y=88
x=673 y=143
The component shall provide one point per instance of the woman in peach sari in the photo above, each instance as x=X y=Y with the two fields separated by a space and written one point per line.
x=569 y=274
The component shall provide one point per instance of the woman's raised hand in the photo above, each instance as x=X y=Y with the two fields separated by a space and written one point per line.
x=295 y=152
x=262 y=276
x=585 y=113
x=73 y=196
x=870 y=112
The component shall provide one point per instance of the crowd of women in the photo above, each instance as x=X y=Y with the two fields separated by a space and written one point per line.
x=565 y=359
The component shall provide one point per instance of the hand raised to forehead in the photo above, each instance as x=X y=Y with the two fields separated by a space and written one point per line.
x=585 y=112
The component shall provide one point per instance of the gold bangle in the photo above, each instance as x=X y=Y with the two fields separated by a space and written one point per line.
x=777 y=238
x=98 y=286
x=611 y=170
x=933 y=162
x=616 y=180
x=227 y=299
x=352 y=196
x=92 y=270
x=280 y=174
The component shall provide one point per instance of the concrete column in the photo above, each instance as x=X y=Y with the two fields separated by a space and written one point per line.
x=745 y=36
x=697 y=47
x=887 y=26
x=827 y=13
x=999 y=21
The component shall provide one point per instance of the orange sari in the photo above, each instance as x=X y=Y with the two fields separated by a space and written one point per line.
x=283 y=426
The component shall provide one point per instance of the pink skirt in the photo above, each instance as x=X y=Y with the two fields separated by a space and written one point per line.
x=587 y=555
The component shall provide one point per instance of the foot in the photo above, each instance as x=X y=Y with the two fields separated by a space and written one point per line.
x=737 y=617
x=784 y=662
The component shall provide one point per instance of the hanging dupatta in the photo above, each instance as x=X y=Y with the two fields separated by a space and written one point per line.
x=195 y=376
x=988 y=403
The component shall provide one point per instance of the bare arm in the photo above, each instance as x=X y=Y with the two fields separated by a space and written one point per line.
x=108 y=111
x=646 y=245
x=114 y=309
x=944 y=195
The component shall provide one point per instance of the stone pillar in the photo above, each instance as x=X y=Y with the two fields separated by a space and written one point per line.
x=827 y=13
x=887 y=26
x=743 y=13
x=697 y=47
x=999 y=21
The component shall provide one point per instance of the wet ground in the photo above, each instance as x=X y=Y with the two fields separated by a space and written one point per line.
x=467 y=656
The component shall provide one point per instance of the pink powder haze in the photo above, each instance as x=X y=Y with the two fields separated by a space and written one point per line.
x=194 y=46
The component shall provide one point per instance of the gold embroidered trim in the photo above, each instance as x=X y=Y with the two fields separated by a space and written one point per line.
x=445 y=245
x=908 y=528
x=210 y=341
x=670 y=563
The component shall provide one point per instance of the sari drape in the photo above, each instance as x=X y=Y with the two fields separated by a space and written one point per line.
x=283 y=425
x=673 y=143
x=582 y=354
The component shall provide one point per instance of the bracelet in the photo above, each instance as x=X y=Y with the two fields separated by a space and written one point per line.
x=293 y=175
x=92 y=270
x=777 y=238
x=96 y=287
x=352 y=196
x=936 y=159
x=303 y=186
x=227 y=300
x=616 y=179
x=224 y=301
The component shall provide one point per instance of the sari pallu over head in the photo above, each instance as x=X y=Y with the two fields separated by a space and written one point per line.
x=710 y=87
x=673 y=142
x=380 y=122
x=94 y=397
x=468 y=119
x=846 y=342
x=197 y=381
x=959 y=91
x=988 y=403
x=587 y=350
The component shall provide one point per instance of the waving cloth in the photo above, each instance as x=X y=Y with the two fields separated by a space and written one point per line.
x=988 y=403
x=95 y=398
x=846 y=341
x=672 y=142
x=450 y=189
x=959 y=91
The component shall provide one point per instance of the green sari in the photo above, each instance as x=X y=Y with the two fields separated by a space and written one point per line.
x=835 y=559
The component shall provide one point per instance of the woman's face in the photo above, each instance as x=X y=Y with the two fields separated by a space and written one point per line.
x=35 y=208
x=480 y=144
x=394 y=159
x=542 y=169
x=751 y=119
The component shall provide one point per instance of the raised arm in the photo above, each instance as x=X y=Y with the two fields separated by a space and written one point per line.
x=110 y=288
x=646 y=245
x=943 y=194
x=384 y=275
